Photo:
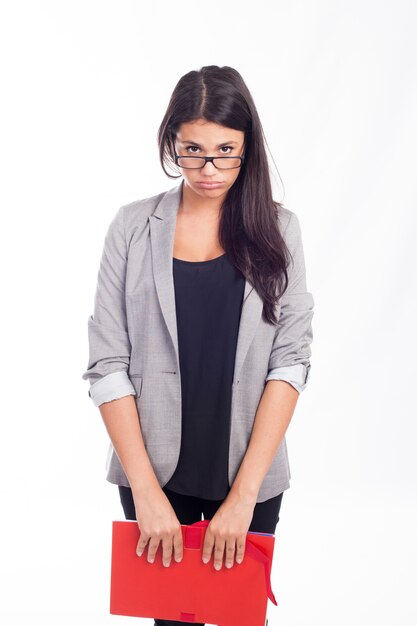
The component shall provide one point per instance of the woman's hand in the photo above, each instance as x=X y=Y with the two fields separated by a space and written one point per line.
x=227 y=530
x=158 y=522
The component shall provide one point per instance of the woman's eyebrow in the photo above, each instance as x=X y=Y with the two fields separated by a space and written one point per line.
x=226 y=143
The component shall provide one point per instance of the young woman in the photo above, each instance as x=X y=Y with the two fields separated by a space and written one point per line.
x=200 y=338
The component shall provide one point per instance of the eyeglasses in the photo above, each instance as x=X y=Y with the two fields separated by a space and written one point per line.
x=196 y=162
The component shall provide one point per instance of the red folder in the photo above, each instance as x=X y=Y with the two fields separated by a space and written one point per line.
x=190 y=591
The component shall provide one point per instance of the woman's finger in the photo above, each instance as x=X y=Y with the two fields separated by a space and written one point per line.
x=143 y=540
x=230 y=552
x=218 y=553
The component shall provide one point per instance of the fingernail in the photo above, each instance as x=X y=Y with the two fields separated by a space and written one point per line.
x=217 y=566
x=205 y=559
x=239 y=560
x=228 y=565
x=139 y=553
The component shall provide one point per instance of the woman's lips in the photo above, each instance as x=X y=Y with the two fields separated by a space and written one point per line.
x=204 y=185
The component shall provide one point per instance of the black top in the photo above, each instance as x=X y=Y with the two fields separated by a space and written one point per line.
x=208 y=298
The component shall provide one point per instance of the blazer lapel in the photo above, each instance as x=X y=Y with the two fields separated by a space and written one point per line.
x=162 y=229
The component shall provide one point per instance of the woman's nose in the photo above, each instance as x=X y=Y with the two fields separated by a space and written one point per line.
x=211 y=168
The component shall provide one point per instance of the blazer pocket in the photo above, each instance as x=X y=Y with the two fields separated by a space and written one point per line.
x=137 y=383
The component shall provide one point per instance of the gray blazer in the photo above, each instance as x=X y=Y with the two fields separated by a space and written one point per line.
x=133 y=344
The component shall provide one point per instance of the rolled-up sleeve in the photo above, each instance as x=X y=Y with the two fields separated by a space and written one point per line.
x=291 y=350
x=108 y=338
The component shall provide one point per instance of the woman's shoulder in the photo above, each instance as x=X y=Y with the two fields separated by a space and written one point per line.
x=133 y=216
x=287 y=220
x=140 y=209
x=132 y=219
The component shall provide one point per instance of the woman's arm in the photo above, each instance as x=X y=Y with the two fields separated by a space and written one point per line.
x=288 y=371
x=272 y=419
x=108 y=337
x=228 y=527
x=109 y=356
x=123 y=426
x=291 y=350
x=155 y=515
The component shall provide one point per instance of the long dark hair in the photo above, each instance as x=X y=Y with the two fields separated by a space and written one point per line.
x=248 y=225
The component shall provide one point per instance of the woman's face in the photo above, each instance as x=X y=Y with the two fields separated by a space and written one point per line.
x=203 y=138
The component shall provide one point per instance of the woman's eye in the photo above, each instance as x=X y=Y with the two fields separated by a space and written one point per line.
x=193 y=148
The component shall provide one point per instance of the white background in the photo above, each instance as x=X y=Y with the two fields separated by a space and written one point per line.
x=84 y=88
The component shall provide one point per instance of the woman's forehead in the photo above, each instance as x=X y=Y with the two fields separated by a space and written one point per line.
x=200 y=131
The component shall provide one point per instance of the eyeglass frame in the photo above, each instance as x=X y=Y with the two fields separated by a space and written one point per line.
x=208 y=159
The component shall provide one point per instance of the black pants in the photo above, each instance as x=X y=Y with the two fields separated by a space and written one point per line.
x=188 y=510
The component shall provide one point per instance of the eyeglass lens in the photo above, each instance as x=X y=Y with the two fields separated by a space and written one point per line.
x=223 y=163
